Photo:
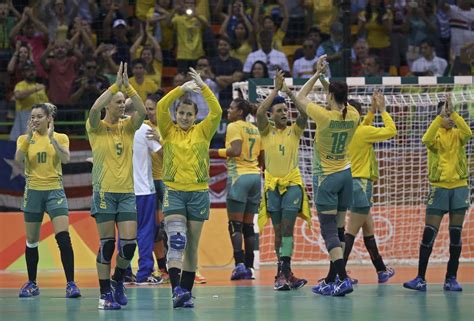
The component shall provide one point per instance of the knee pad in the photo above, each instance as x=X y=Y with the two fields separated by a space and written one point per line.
x=328 y=228
x=235 y=227
x=247 y=230
x=455 y=235
x=429 y=236
x=127 y=248
x=176 y=233
x=106 y=250
x=340 y=234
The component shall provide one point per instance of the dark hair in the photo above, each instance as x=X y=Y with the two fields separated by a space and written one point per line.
x=48 y=108
x=339 y=90
x=381 y=11
x=313 y=30
x=376 y=59
x=429 y=42
x=356 y=104
x=138 y=61
x=265 y=68
x=235 y=43
x=223 y=38
x=187 y=101
x=278 y=100
x=156 y=96
x=440 y=107
x=245 y=106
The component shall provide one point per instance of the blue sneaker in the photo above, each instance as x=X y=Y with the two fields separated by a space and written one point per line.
x=180 y=296
x=451 y=284
x=384 y=276
x=118 y=289
x=249 y=274
x=323 y=288
x=72 y=291
x=239 y=272
x=416 y=284
x=342 y=288
x=281 y=283
x=29 y=289
x=189 y=303
x=107 y=302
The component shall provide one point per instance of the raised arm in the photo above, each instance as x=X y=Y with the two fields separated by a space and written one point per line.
x=302 y=118
x=380 y=134
x=156 y=46
x=105 y=98
x=139 y=116
x=138 y=41
x=301 y=101
x=429 y=138
x=284 y=13
x=262 y=119
x=464 y=129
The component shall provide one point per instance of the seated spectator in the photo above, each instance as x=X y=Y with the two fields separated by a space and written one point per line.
x=62 y=69
x=303 y=67
x=314 y=34
x=8 y=18
x=59 y=17
x=20 y=57
x=88 y=87
x=373 y=67
x=27 y=93
x=143 y=84
x=259 y=70
x=268 y=23
x=274 y=59
x=428 y=64
x=376 y=22
x=227 y=70
x=34 y=32
x=361 y=50
x=189 y=28
x=148 y=49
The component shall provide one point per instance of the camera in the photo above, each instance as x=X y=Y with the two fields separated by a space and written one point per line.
x=189 y=12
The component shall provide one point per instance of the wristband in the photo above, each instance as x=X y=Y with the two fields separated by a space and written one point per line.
x=24 y=146
x=130 y=91
x=114 y=89
x=222 y=152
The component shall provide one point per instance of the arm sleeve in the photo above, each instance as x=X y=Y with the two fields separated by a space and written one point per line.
x=368 y=119
x=63 y=140
x=373 y=134
x=465 y=133
x=317 y=113
x=430 y=135
x=209 y=125
x=233 y=133
x=163 y=115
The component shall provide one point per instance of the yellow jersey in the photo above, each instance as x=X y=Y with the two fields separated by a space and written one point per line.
x=156 y=159
x=361 y=149
x=242 y=52
x=247 y=162
x=157 y=65
x=142 y=7
x=447 y=161
x=35 y=98
x=186 y=153
x=281 y=148
x=377 y=35
x=43 y=169
x=333 y=136
x=189 y=31
x=112 y=148
x=147 y=87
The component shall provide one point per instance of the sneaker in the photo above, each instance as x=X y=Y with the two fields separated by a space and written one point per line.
x=189 y=303
x=296 y=283
x=384 y=276
x=180 y=296
x=323 y=288
x=342 y=288
x=118 y=289
x=72 y=291
x=199 y=279
x=239 y=272
x=151 y=280
x=107 y=302
x=129 y=278
x=451 y=284
x=281 y=283
x=249 y=274
x=416 y=284
x=29 y=289
x=165 y=277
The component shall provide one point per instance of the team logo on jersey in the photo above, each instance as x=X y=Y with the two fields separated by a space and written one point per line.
x=60 y=201
x=203 y=211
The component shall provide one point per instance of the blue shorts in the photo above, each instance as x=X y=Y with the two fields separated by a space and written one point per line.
x=244 y=193
x=291 y=200
x=361 y=196
x=194 y=205
x=443 y=200
x=333 y=191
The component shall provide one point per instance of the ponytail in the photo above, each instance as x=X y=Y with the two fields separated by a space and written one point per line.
x=344 y=111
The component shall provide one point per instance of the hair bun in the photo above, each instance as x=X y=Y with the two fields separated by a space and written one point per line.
x=52 y=109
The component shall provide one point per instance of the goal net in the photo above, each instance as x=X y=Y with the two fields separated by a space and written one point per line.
x=400 y=193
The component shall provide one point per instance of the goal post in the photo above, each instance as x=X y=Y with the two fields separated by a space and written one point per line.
x=401 y=191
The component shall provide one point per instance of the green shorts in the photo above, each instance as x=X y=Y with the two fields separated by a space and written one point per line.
x=118 y=207
x=333 y=191
x=160 y=191
x=291 y=200
x=442 y=200
x=36 y=202
x=193 y=205
x=361 y=195
x=244 y=193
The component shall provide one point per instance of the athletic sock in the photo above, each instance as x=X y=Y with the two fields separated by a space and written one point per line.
x=32 y=258
x=175 y=275
x=187 y=280
x=349 y=240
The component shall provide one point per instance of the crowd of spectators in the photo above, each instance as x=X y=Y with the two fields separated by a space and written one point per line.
x=68 y=51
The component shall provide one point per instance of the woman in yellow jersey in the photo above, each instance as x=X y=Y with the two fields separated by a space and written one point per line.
x=332 y=180
x=243 y=148
x=42 y=151
x=364 y=170
x=449 y=192
x=186 y=174
x=113 y=198
x=285 y=195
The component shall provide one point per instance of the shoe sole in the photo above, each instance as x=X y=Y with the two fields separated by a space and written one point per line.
x=28 y=296
x=73 y=296
x=282 y=288
x=302 y=284
x=108 y=309
x=350 y=290
x=384 y=281
x=180 y=303
x=415 y=289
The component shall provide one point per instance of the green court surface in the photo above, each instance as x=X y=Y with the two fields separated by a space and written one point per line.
x=366 y=303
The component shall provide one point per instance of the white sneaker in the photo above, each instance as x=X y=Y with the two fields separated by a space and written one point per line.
x=151 y=280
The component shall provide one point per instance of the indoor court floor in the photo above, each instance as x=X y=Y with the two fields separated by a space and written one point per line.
x=222 y=300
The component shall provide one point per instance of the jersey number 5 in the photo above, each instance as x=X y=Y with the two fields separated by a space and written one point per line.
x=118 y=148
